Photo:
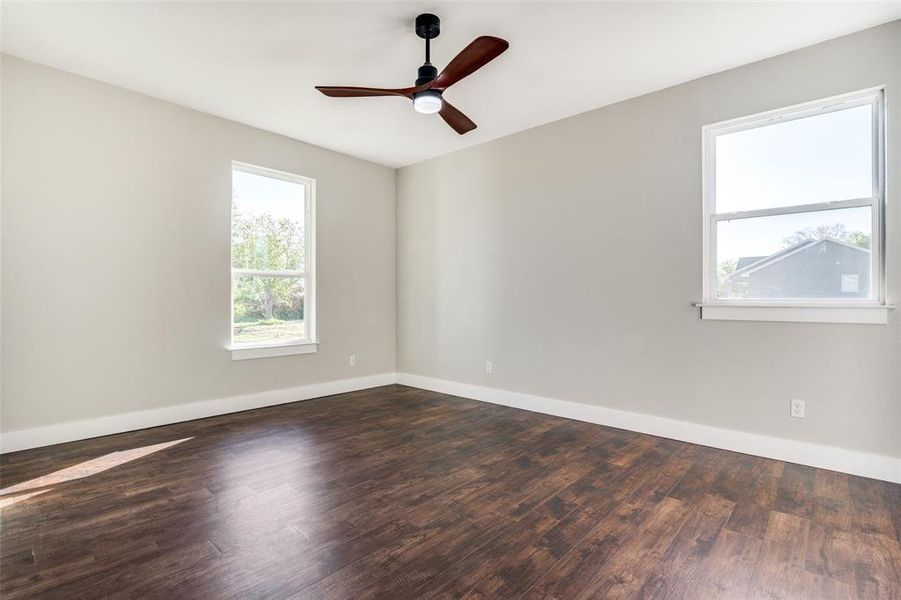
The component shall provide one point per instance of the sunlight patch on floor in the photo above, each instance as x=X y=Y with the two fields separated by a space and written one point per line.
x=10 y=500
x=80 y=471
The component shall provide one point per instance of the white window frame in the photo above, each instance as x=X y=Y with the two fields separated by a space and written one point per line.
x=857 y=310
x=308 y=344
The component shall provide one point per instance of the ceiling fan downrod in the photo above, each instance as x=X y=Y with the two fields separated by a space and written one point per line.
x=428 y=27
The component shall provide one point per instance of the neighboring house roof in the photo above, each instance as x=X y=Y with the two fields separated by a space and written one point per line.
x=744 y=261
x=751 y=265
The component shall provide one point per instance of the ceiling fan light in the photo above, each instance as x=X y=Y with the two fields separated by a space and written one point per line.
x=427 y=102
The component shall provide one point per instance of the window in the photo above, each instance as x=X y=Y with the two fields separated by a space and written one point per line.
x=272 y=263
x=793 y=205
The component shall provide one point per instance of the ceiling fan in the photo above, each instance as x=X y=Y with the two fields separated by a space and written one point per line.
x=427 y=93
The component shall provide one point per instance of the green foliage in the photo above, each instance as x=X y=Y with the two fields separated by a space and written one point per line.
x=727 y=288
x=859 y=239
x=267 y=299
x=262 y=242
x=836 y=231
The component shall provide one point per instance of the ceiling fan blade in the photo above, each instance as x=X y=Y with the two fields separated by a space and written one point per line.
x=473 y=57
x=355 y=92
x=453 y=117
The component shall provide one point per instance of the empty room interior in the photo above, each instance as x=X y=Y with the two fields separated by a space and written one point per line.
x=487 y=300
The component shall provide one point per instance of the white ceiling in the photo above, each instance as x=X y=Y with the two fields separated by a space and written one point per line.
x=257 y=63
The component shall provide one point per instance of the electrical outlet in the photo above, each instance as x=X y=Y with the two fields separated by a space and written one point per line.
x=352 y=361
x=797 y=408
x=489 y=367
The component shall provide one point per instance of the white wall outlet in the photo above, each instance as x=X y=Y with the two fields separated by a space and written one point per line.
x=797 y=408
x=352 y=361
x=489 y=367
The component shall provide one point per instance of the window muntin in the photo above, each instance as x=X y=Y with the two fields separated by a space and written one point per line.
x=798 y=192
x=271 y=257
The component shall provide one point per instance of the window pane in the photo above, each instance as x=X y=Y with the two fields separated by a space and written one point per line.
x=824 y=254
x=267 y=223
x=815 y=159
x=268 y=309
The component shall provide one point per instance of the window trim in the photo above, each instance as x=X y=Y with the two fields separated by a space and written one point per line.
x=874 y=97
x=310 y=343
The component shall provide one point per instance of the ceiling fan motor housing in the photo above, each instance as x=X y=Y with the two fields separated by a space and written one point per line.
x=426 y=73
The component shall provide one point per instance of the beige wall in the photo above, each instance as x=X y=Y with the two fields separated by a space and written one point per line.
x=115 y=253
x=569 y=255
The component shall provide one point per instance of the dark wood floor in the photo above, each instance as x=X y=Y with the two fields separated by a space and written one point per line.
x=402 y=493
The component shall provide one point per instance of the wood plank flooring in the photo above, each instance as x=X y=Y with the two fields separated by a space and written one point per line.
x=397 y=492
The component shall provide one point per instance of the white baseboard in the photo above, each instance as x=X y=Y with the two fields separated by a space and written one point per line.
x=875 y=466
x=825 y=457
x=88 y=428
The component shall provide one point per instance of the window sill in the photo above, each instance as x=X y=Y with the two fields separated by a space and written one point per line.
x=831 y=313
x=246 y=352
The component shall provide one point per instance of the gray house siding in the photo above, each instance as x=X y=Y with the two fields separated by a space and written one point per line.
x=812 y=269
